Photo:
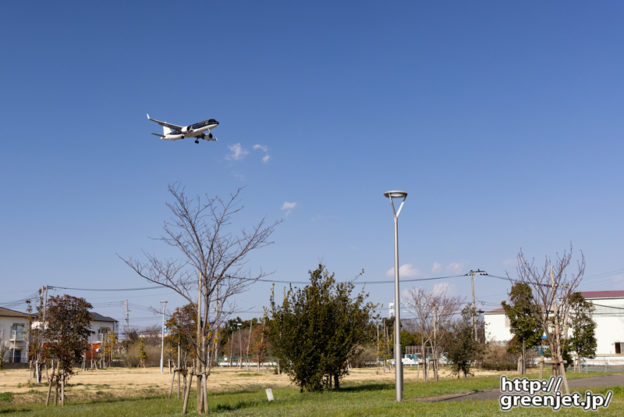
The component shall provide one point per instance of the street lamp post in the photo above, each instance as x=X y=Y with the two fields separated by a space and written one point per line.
x=398 y=364
x=162 y=336
x=240 y=346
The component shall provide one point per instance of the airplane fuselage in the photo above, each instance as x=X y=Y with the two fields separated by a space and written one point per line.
x=199 y=130
x=194 y=130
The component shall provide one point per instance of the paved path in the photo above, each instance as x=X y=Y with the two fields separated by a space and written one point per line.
x=575 y=385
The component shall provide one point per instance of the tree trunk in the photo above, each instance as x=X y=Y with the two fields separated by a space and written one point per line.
x=205 y=391
x=424 y=358
x=523 y=368
x=336 y=382
x=63 y=389
x=49 y=387
x=187 y=390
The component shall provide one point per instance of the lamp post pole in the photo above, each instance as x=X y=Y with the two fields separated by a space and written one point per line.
x=398 y=364
x=162 y=336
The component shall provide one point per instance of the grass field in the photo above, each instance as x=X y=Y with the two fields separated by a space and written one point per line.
x=364 y=394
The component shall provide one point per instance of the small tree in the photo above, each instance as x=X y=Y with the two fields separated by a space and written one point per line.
x=522 y=320
x=583 y=340
x=67 y=333
x=434 y=311
x=110 y=347
x=552 y=285
x=462 y=349
x=316 y=329
x=142 y=354
x=181 y=326
x=210 y=270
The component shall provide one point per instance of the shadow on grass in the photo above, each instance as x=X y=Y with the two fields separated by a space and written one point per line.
x=365 y=387
x=235 y=406
x=15 y=410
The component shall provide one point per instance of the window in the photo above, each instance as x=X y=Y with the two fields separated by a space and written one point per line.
x=17 y=331
x=17 y=356
x=619 y=348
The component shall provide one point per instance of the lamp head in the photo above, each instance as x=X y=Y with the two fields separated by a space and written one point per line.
x=395 y=194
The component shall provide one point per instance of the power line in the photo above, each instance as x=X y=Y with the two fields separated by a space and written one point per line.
x=106 y=289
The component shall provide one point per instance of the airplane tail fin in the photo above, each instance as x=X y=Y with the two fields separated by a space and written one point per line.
x=166 y=130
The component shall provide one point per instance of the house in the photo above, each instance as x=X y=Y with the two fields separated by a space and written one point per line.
x=100 y=327
x=608 y=315
x=13 y=335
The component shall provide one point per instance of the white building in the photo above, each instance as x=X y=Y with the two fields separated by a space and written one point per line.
x=100 y=326
x=13 y=335
x=608 y=315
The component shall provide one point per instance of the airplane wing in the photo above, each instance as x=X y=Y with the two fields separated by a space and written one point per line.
x=163 y=136
x=169 y=125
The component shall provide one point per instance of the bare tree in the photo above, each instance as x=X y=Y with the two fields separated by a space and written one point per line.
x=553 y=283
x=434 y=311
x=212 y=267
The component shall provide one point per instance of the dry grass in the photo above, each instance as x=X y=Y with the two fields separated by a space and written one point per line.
x=140 y=382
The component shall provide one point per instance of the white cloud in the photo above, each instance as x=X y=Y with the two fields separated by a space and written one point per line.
x=265 y=149
x=238 y=152
x=437 y=267
x=510 y=262
x=618 y=280
x=455 y=267
x=405 y=271
x=440 y=288
x=288 y=206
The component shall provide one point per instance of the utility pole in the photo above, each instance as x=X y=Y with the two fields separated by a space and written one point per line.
x=248 y=343
x=127 y=320
x=162 y=336
x=435 y=343
x=472 y=273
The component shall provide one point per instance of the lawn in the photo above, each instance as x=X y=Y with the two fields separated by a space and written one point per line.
x=359 y=398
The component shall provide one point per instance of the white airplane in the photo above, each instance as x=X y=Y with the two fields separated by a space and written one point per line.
x=196 y=130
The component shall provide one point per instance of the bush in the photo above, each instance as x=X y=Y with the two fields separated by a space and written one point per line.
x=129 y=357
x=365 y=356
x=499 y=366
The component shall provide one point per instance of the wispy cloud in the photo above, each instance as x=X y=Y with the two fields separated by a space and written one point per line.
x=405 y=271
x=265 y=149
x=455 y=267
x=238 y=152
x=288 y=206
x=510 y=262
x=440 y=288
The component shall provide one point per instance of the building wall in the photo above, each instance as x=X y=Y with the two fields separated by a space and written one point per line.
x=497 y=328
x=609 y=326
x=14 y=340
x=97 y=329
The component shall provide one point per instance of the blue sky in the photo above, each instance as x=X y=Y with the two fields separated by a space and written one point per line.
x=501 y=120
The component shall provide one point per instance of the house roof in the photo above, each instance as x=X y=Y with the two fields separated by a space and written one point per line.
x=603 y=294
x=98 y=317
x=7 y=312
x=590 y=295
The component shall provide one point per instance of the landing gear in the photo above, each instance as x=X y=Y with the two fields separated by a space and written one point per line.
x=209 y=135
x=196 y=140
